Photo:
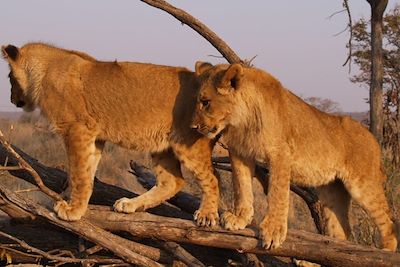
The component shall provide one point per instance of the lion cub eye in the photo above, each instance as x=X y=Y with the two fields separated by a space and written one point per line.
x=205 y=103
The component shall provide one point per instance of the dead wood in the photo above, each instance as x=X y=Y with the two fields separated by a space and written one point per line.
x=182 y=254
x=127 y=250
x=55 y=179
x=190 y=203
x=25 y=166
x=198 y=26
x=299 y=244
x=37 y=253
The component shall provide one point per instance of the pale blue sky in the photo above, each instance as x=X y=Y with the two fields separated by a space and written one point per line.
x=292 y=39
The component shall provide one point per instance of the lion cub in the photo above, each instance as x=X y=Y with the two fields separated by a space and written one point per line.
x=138 y=106
x=262 y=121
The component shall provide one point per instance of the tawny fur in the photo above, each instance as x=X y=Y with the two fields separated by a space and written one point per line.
x=139 y=106
x=262 y=121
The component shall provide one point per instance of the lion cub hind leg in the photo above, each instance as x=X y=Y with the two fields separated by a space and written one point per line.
x=369 y=193
x=169 y=182
x=336 y=205
x=273 y=228
x=83 y=155
x=243 y=194
x=197 y=159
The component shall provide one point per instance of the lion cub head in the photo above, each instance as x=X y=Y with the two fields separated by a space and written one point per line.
x=19 y=78
x=217 y=98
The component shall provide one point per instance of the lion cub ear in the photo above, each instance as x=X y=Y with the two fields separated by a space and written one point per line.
x=201 y=67
x=10 y=52
x=230 y=81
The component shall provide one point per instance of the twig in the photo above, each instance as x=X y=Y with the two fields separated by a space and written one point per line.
x=350 y=26
x=27 y=190
x=93 y=250
x=335 y=13
x=10 y=168
x=247 y=62
x=56 y=258
x=215 y=56
x=10 y=248
x=24 y=165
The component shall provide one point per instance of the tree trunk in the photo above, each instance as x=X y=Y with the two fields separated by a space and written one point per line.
x=376 y=90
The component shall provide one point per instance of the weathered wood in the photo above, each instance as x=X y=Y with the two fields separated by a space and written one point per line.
x=190 y=203
x=103 y=194
x=299 y=244
x=57 y=258
x=181 y=254
x=27 y=167
x=116 y=244
x=198 y=26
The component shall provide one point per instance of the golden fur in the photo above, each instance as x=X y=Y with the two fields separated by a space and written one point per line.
x=138 y=106
x=261 y=121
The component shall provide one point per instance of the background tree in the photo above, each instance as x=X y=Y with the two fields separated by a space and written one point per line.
x=376 y=93
x=324 y=104
x=390 y=99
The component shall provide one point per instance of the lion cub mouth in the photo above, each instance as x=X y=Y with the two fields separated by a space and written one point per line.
x=209 y=132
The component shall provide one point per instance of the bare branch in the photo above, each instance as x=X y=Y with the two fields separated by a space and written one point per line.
x=336 y=13
x=127 y=250
x=10 y=168
x=37 y=253
x=199 y=27
x=181 y=254
x=24 y=165
x=350 y=27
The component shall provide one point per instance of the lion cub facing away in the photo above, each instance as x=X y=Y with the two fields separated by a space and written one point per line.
x=262 y=121
x=138 y=106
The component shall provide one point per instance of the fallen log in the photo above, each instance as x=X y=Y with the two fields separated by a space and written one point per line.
x=127 y=250
x=55 y=179
x=190 y=204
x=299 y=244
x=103 y=194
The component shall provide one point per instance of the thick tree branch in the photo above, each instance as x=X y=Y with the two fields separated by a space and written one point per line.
x=199 y=27
x=299 y=244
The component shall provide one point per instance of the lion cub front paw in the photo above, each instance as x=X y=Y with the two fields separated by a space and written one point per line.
x=206 y=218
x=67 y=213
x=231 y=221
x=128 y=205
x=272 y=234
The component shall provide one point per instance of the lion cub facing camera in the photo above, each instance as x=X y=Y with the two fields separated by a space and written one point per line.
x=260 y=120
x=138 y=106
